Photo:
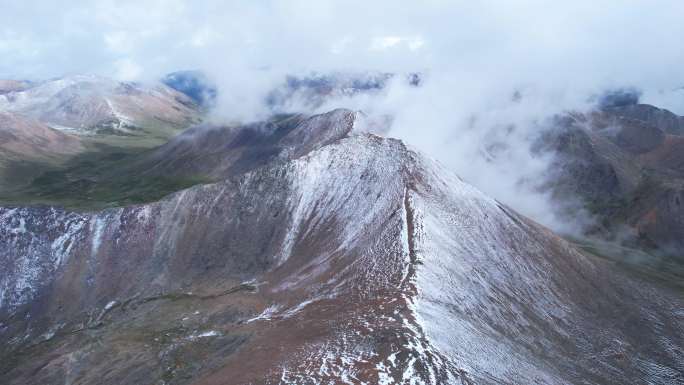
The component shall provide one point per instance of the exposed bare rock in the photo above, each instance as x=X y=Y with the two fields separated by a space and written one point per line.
x=632 y=135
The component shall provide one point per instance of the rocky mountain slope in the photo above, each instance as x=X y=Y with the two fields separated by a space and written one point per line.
x=26 y=138
x=626 y=164
x=349 y=259
x=27 y=146
x=220 y=151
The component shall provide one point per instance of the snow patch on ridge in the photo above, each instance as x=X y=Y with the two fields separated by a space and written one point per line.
x=96 y=228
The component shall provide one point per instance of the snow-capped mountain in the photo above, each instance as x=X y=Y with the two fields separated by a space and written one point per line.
x=89 y=105
x=353 y=259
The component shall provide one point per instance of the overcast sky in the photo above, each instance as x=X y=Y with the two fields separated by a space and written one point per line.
x=474 y=54
x=622 y=41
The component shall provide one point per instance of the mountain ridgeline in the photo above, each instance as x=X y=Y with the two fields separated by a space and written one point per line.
x=156 y=249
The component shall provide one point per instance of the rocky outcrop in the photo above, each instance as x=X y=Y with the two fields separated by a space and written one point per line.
x=28 y=146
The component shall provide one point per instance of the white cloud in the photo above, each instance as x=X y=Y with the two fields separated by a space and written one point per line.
x=340 y=45
x=118 y=41
x=578 y=43
x=387 y=42
x=381 y=43
x=204 y=36
x=127 y=70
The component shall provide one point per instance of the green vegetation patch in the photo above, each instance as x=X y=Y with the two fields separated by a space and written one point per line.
x=103 y=177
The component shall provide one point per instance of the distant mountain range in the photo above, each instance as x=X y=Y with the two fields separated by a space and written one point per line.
x=626 y=164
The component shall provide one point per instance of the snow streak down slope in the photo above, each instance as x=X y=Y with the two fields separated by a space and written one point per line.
x=359 y=262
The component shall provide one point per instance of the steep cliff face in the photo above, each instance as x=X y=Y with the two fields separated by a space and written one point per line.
x=355 y=261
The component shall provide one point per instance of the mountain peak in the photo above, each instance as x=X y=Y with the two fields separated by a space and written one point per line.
x=367 y=260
